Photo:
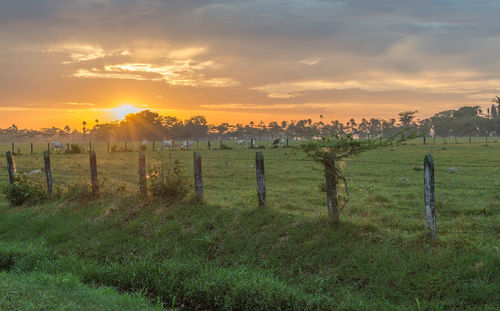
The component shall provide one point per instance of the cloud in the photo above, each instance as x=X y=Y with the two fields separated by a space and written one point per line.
x=432 y=82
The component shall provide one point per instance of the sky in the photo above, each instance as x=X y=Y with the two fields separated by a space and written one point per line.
x=67 y=61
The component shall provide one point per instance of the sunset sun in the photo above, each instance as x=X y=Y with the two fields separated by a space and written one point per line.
x=121 y=111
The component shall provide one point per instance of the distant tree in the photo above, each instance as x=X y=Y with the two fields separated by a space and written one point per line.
x=407 y=118
x=493 y=110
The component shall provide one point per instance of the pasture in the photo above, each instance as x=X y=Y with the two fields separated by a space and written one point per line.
x=229 y=254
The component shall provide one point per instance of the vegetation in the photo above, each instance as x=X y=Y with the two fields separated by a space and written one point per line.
x=330 y=150
x=465 y=121
x=25 y=189
x=229 y=254
x=168 y=180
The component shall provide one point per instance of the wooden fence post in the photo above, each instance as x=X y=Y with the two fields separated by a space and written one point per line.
x=48 y=171
x=221 y=144
x=13 y=151
x=108 y=146
x=90 y=146
x=198 y=180
x=251 y=143
x=93 y=174
x=11 y=167
x=287 y=142
x=209 y=145
x=424 y=139
x=331 y=188
x=31 y=148
x=470 y=141
x=153 y=145
x=261 y=180
x=48 y=147
x=142 y=172
x=173 y=144
x=430 y=203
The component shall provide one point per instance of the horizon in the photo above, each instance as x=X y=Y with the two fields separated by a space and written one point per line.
x=70 y=61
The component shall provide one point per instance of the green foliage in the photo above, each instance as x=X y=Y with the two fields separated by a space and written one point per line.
x=25 y=189
x=74 y=148
x=330 y=150
x=167 y=179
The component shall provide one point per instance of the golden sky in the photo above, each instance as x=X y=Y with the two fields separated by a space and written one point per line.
x=67 y=61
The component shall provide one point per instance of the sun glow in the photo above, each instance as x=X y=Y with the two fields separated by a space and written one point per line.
x=123 y=110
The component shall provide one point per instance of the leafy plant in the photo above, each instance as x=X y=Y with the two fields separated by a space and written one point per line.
x=25 y=189
x=167 y=179
x=332 y=149
x=74 y=148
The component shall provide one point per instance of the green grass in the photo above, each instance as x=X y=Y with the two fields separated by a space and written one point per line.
x=39 y=291
x=228 y=254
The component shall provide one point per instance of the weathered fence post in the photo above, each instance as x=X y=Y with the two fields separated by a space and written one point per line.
x=331 y=187
x=221 y=144
x=108 y=146
x=48 y=171
x=11 y=167
x=93 y=173
x=31 y=148
x=13 y=148
x=209 y=145
x=142 y=172
x=470 y=141
x=287 y=142
x=153 y=145
x=430 y=203
x=261 y=180
x=90 y=146
x=48 y=147
x=251 y=143
x=424 y=139
x=173 y=144
x=187 y=144
x=198 y=181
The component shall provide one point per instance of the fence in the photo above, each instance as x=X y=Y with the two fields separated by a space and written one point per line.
x=261 y=190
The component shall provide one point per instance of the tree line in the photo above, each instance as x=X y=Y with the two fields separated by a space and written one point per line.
x=464 y=121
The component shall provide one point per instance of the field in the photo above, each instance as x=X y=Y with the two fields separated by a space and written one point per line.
x=228 y=254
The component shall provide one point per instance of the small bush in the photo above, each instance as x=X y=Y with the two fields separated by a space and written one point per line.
x=167 y=179
x=225 y=147
x=79 y=190
x=25 y=189
x=74 y=148
x=114 y=148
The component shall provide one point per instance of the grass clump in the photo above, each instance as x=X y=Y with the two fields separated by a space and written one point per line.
x=62 y=292
x=74 y=148
x=25 y=189
x=168 y=180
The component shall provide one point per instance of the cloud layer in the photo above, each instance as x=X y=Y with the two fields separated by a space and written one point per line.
x=274 y=57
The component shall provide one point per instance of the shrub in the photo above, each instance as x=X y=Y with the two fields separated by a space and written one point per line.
x=167 y=179
x=25 y=189
x=114 y=148
x=74 y=148
x=225 y=147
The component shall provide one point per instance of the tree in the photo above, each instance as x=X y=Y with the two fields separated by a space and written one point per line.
x=406 y=118
x=332 y=149
x=493 y=111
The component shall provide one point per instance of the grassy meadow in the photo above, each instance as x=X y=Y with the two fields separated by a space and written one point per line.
x=228 y=254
